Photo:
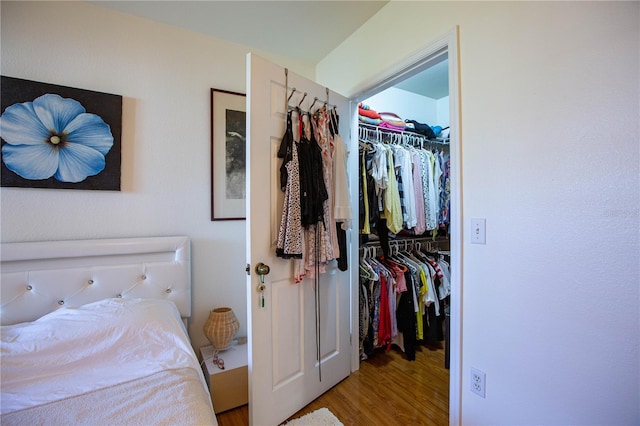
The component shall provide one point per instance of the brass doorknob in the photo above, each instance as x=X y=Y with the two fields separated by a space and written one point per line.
x=262 y=269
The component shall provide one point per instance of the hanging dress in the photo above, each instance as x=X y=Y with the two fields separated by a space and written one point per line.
x=342 y=201
x=325 y=142
x=313 y=195
x=392 y=208
x=290 y=242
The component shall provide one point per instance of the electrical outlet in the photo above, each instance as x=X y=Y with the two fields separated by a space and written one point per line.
x=478 y=382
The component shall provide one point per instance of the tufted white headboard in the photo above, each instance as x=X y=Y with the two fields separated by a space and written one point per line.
x=40 y=277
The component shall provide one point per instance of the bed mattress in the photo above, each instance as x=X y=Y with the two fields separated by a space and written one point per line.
x=116 y=361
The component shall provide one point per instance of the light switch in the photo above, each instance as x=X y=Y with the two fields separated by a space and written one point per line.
x=478 y=229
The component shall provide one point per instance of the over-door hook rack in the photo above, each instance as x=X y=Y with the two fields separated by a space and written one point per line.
x=301 y=100
x=292 y=92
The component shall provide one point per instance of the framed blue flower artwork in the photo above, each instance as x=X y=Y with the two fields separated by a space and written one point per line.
x=59 y=137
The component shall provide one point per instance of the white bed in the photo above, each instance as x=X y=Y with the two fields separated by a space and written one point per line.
x=93 y=332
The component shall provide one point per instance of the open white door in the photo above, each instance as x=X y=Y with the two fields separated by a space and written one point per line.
x=284 y=374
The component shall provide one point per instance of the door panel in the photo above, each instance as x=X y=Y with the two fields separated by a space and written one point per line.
x=287 y=337
x=284 y=374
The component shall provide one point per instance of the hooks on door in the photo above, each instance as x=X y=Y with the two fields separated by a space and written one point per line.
x=301 y=100
x=304 y=95
x=292 y=92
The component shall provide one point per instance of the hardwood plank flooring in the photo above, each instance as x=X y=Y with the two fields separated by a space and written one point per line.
x=386 y=390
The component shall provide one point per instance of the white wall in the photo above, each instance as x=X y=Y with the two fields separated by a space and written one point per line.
x=550 y=157
x=407 y=105
x=164 y=75
x=411 y=106
x=442 y=112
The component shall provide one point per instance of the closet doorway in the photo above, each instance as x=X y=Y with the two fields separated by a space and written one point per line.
x=398 y=88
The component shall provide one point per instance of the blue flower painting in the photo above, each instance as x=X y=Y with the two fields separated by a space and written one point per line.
x=53 y=141
x=54 y=136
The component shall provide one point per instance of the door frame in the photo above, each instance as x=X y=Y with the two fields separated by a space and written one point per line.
x=414 y=63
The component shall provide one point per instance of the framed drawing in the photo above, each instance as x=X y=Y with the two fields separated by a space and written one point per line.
x=59 y=137
x=228 y=148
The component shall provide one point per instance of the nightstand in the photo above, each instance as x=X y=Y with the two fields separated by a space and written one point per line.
x=229 y=387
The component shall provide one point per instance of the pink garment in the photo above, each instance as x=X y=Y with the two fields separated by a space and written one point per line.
x=386 y=125
x=392 y=119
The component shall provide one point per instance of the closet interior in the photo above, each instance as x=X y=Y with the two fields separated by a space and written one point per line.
x=404 y=205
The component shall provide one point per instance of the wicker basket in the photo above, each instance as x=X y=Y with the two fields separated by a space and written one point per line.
x=220 y=328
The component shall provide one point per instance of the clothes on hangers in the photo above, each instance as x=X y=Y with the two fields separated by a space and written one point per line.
x=445 y=193
x=342 y=202
x=411 y=185
x=421 y=224
x=403 y=299
x=316 y=208
x=342 y=213
x=392 y=207
x=404 y=190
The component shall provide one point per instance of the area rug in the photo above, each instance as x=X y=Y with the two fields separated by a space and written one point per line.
x=320 y=417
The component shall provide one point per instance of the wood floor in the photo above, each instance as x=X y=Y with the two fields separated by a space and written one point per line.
x=386 y=390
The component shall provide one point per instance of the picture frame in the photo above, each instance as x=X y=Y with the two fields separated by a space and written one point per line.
x=228 y=150
x=81 y=118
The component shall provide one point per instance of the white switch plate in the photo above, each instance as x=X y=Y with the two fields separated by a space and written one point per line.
x=478 y=231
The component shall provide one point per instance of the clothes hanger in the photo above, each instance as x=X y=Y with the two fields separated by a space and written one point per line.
x=364 y=272
x=364 y=145
x=334 y=120
x=393 y=261
x=365 y=265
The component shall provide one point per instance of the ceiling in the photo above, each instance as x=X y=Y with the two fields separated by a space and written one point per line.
x=304 y=30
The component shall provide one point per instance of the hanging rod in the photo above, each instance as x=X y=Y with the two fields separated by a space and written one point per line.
x=395 y=245
x=410 y=240
x=383 y=130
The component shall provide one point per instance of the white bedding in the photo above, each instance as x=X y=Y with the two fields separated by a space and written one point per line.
x=75 y=351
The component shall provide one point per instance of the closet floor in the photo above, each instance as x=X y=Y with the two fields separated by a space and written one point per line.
x=386 y=390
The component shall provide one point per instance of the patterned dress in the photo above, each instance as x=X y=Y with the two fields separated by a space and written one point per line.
x=290 y=242
x=315 y=221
